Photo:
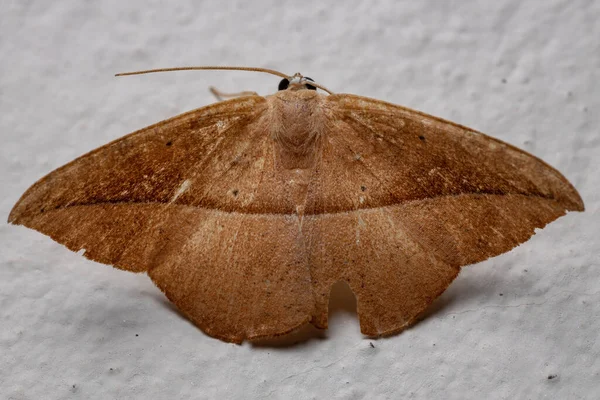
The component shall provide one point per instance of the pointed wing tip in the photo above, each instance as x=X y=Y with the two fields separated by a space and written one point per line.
x=14 y=218
x=22 y=211
x=13 y=215
x=573 y=204
x=19 y=215
x=579 y=206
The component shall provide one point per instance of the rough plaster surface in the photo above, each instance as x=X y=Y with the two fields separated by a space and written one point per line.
x=525 y=72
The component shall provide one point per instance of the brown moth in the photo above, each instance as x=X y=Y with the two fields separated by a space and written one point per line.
x=246 y=212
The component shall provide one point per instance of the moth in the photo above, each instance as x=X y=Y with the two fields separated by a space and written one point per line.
x=246 y=212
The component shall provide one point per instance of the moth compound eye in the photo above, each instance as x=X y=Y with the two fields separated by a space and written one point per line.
x=311 y=87
x=284 y=84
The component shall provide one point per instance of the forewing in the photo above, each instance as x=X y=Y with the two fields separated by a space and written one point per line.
x=184 y=200
x=402 y=200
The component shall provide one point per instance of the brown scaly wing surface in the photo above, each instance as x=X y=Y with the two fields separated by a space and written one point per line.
x=181 y=200
x=426 y=196
x=398 y=201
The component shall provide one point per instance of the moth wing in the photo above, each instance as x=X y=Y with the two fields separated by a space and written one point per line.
x=402 y=200
x=191 y=201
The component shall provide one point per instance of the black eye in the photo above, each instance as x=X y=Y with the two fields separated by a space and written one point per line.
x=284 y=84
x=311 y=87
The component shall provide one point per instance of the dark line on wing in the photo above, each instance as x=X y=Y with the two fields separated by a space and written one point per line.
x=132 y=202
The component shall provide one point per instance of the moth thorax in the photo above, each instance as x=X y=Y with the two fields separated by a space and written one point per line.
x=296 y=128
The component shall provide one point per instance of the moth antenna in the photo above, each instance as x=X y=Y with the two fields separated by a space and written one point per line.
x=226 y=68
x=149 y=71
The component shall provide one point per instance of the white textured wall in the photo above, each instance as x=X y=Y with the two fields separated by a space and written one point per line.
x=525 y=72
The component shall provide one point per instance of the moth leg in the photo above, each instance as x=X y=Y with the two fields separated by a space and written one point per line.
x=222 y=96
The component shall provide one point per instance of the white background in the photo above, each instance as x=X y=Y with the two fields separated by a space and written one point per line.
x=525 y=72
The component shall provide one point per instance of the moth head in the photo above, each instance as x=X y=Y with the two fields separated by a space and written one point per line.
x=296 y=82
